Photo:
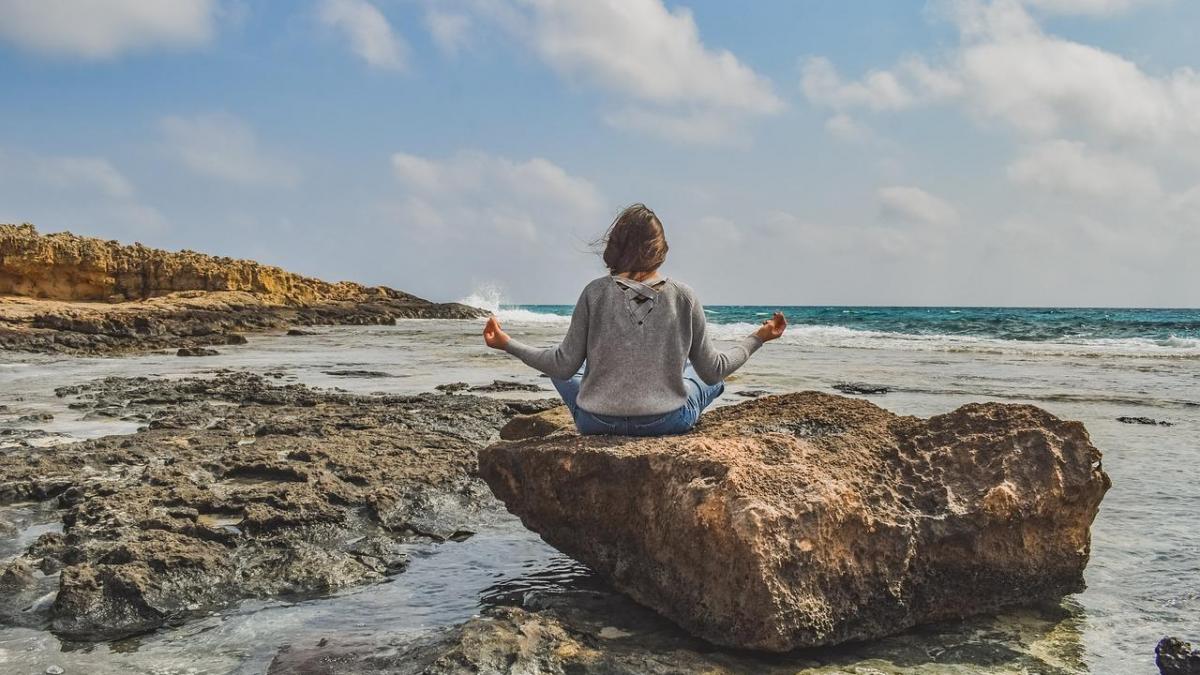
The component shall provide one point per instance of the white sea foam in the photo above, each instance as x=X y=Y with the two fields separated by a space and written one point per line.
x=823 y=336
x=489 y=297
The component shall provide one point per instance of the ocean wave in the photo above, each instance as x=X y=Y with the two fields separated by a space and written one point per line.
x=841 y=337
x=489 y=298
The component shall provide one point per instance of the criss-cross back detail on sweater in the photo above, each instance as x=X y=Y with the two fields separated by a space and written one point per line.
x=639 y=297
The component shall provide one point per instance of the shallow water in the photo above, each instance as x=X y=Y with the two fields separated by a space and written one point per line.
x=1143 y=580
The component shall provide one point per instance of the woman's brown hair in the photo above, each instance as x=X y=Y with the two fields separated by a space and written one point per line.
x=635 y=241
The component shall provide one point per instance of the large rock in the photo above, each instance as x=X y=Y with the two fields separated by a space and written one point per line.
x=811 y=519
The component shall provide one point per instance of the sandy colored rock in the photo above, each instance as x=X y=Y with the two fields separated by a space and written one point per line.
x=812 y=519
x=65 y=293
x=64 y=266
x=538 y=424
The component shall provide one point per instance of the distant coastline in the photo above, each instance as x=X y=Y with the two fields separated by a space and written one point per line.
x=63 y=293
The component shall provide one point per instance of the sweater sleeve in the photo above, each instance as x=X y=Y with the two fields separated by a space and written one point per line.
x=711 y=365
x=563 y=361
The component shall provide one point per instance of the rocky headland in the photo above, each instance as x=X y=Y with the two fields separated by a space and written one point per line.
x=70 y=294
x=811 y=519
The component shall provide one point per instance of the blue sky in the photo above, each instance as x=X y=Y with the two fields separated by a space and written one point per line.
x=1012 y=152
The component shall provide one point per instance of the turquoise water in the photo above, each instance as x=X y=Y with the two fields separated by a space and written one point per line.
x=1001 y=323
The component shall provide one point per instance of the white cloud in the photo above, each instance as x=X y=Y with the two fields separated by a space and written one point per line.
x=878 y=90
x=1087 y=7
x=72 y=192
x=845 y=128
x=1009 y=70
x=484 y=198
x=641 y=49
x=668 y=82
x=222 y=146
x=1070 y=168
x=368 y=30
x=85 y=172
x=915 y=205
x=473 y=219
x=450 y=30
x=102 y=30
x=912 y=82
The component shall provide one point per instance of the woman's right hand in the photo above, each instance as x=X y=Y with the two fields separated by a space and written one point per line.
x=772 y=327
x=493 y=335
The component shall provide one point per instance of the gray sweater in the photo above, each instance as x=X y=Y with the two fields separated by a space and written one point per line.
x=636 y=340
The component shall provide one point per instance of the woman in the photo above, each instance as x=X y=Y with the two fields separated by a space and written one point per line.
x=650 y=367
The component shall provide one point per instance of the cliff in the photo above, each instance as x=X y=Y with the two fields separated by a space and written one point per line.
x=64 y=266
x=71 y=294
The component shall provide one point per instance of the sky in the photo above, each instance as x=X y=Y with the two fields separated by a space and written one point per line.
x=882 y=152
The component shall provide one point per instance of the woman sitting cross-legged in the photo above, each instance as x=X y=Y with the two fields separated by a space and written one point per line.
x=636 y=360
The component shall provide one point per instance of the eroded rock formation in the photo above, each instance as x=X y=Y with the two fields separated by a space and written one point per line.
x=239 y=488
x=64 y=266
x=812 y=519
x=66 y=293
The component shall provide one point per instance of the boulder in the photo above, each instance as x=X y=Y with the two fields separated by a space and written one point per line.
x=1176 y=657
x=812 y=519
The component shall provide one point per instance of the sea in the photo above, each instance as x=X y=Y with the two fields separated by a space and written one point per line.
x=1094 y=365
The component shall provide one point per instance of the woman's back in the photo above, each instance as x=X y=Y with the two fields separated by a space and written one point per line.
x=651 y=369
x=636 y=338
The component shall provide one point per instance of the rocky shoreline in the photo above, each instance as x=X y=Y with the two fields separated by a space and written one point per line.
x=238 y=488
x=61 y=293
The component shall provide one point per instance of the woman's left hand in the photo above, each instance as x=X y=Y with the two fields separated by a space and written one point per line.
x=493 y=335
x=772 y=327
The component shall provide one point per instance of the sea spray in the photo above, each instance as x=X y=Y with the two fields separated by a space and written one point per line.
x=489 y=297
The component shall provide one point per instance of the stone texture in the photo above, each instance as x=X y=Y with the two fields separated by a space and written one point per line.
x=239 y=488
x=64 y=266
x=812 y=519
x=65 y=293
x=537 y=425
x=597 y=632
x=1176 y=657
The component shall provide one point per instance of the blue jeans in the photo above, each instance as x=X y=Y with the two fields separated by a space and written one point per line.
x=700 y=396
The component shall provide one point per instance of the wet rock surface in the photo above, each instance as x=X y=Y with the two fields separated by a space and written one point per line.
x=239 y=488
x=861 y=388
x=506 y=385
x=1176 y=657
x=811 y=519
x=196 y=351
x=1142 y=420
x=599 y=632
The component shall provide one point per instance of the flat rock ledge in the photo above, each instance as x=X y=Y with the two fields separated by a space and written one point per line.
x=811 y=519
